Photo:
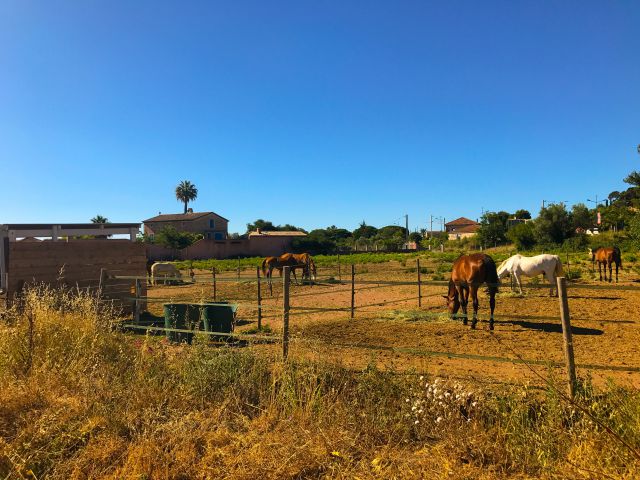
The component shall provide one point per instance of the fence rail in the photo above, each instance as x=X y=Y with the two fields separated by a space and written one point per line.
x=353 y=282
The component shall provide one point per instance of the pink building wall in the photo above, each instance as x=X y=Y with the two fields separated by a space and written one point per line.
x=252 y=247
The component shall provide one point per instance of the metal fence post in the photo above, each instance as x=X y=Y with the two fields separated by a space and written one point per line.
x=419 y=285
x=259 y=299
x=285 y=312
x=566 y=334
x=353 y=290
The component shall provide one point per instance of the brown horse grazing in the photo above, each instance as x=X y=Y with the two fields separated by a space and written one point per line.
x=301 y=261
x=294 y=260
x=467 y=274
x=268 y=265
x=606 y=256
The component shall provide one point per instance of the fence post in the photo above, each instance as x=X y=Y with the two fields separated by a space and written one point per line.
x=566 y=334
x=136 y=312
x=259 y=299
x=213 y=273
x=353 y=290
x=103 y=277
x=419 y=285
x=285 y=311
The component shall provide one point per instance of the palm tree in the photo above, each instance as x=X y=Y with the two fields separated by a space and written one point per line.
x=186 y=192
x=99 y=219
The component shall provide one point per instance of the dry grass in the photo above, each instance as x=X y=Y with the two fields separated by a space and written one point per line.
x=79 y=400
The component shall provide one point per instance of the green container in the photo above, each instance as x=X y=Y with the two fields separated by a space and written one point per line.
x=183 y=316
x=218 y=317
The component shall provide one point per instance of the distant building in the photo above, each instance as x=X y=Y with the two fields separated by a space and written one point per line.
x=461 y=228
x=209 y=224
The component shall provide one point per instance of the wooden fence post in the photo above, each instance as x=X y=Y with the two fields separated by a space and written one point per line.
x=566 y=334
x=102 y=281
x=419 y=285
x=259 y=299
x=353 y=290
x=213 y=273
x=136 y=312
x=285 y=311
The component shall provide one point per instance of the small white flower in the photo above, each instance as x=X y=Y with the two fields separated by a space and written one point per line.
x=416 y=422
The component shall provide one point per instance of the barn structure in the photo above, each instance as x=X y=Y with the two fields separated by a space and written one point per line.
x=80 y=255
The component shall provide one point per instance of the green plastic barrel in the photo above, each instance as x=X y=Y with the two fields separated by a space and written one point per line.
x=183 y=316
x=218 y=318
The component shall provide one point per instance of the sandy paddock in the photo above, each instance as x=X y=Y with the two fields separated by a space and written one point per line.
x=399 y=335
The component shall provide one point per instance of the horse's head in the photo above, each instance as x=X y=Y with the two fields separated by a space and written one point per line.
x=453 y=303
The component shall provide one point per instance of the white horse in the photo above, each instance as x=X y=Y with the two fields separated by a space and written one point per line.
x=166 y=271
x=548 y=265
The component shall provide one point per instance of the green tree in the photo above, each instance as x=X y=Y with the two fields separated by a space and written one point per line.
x=522 y=214
x=186 y=192
x=522 y=235
x=415 y=237
x=582 y=217
x=493 y=228
x=170 y=237
x=261 y=224
x=100 y=219
x=553 y=224
x=364 y=231
x=633 y=179
x=634 y=230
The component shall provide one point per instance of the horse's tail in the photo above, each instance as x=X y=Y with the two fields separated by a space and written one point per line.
x=617 y=256
x=491 y=274
x=559 y=271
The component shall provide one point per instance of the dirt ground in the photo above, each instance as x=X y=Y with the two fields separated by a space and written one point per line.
x=409 y=339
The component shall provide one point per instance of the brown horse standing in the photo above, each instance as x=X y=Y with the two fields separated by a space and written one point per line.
x=606 y=256
x=467 y=274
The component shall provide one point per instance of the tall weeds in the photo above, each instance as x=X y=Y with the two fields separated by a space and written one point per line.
x=81 y=400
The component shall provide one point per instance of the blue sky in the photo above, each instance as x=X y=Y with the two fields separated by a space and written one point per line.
x=314 y=113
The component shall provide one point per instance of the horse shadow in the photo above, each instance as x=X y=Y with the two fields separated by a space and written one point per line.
x=555 y=327
x=594 y=298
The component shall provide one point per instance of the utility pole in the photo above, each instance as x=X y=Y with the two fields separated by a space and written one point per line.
x=406 y=225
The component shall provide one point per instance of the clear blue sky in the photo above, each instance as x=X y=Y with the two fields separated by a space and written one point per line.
x=314 y=113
